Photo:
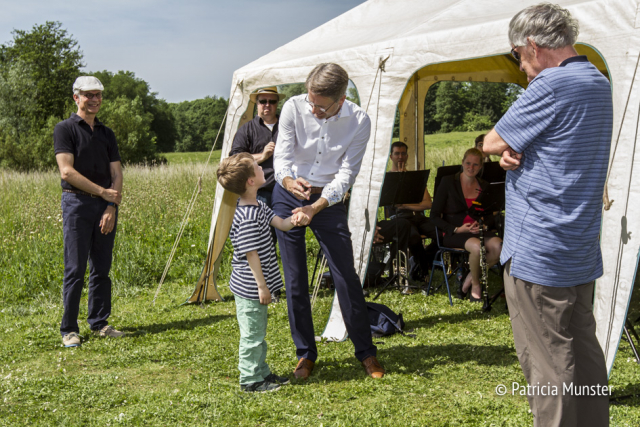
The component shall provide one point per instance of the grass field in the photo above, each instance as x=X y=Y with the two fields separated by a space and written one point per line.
x=177 y=366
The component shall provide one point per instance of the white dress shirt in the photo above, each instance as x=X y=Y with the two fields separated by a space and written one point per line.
x=326 y=152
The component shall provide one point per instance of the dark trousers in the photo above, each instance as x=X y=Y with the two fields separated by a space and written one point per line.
x=332 y=231
x=83 y=241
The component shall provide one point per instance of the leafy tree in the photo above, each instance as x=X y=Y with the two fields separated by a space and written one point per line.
x=449 y=106
x=353 y=96
x=132 y=127
x=52 y=59
x=126 y=84
x=198 y=122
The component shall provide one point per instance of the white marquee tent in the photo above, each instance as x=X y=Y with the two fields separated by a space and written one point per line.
x=394 y=50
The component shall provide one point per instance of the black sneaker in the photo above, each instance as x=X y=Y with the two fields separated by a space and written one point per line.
x=276 y=379
x=275 y=297
x=259 y=387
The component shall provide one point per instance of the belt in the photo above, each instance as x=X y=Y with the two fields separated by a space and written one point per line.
x=84 y=193
x=316 y=190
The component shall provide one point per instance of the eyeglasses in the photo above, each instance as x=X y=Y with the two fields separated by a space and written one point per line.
x=267 y=101
x=92 y=95
x=515 y=54
x=321 y=109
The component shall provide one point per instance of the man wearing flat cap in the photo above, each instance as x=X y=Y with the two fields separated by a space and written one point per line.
x=258 y=137
x=89 y=162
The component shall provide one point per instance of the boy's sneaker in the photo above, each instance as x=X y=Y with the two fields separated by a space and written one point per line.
x=71 y=339
x=273 y=378
x=108 y=331
x=259 y=387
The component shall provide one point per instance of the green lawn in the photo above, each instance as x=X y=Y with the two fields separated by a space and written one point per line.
x=178 y=364
x=194 y=157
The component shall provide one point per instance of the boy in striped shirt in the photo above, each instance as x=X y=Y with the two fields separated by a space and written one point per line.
x=255 y=275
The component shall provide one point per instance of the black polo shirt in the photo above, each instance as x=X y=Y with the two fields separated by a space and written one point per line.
x=251 y=138
x=93 y=151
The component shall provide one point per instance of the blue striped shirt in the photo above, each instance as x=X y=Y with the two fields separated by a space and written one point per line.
x=250 y=232
x=562 y=124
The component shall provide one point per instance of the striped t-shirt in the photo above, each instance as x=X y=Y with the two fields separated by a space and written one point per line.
x=562 y=124
x=250 y=232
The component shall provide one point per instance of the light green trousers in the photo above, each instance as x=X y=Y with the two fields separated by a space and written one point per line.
x=252 y=354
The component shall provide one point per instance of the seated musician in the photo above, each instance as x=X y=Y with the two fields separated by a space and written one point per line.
x=410 y=219
x=479 y=145
x=454 y=196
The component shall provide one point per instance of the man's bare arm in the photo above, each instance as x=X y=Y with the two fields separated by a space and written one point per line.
x=494 y=144
x=73 y=177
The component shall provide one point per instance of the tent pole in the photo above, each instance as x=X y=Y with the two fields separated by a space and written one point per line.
x=415 y=119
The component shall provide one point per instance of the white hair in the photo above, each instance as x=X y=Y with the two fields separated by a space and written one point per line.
x=548 y=25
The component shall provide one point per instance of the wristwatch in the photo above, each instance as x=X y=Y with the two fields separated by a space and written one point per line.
x=112 y=204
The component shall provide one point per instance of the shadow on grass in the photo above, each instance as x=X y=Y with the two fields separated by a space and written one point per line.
x=421 y=358
x=156 y=328
x=430 y=321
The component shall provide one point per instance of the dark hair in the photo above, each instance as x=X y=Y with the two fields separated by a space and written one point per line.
x=329 y=80
x=479 y=139
x=234 y=172
x=399 y=144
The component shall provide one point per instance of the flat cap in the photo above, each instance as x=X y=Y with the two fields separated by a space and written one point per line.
x=85 y=83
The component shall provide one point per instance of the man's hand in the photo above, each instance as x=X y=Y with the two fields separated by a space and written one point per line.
x=303 y=215
x=268 y=151
x=264 y=295
x=111 y=195
x=108 y=220
x=299 y=187
x=402 y=166
x=377 y=237
x=510 y=160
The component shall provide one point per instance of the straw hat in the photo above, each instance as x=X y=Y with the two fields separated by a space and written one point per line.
x=272 y=90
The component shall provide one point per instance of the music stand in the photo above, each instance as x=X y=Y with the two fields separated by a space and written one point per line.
x=401 y=188
x=489 y=201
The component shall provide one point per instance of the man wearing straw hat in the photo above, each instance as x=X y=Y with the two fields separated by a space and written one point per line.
x=258 y=136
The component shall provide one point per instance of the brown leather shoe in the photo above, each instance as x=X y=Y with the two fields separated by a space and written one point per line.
x=373 y=367
x=304 y=368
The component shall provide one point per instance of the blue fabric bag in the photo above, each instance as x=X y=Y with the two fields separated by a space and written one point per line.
x=383 y=320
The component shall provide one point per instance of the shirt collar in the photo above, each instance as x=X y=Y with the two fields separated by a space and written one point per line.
x=76 y=118
x=579 y=58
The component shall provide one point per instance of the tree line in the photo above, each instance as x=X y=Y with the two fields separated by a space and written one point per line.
x=37 y=71
x=38 y=68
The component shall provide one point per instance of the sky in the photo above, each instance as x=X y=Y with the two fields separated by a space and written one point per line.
x=185 y=49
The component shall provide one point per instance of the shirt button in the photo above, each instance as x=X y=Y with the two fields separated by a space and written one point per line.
x=319 y=152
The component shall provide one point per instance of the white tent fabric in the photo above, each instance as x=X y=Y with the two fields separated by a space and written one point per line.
x=428 y=41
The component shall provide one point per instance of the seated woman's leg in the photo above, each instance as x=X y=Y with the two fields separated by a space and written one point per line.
x=493 y=246
x=472 y=246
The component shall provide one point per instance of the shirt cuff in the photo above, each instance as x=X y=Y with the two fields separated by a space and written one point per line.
x=283 y=173
x=332 y=195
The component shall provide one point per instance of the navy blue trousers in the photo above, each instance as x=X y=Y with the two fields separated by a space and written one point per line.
x=83 y=241
x=332 y=231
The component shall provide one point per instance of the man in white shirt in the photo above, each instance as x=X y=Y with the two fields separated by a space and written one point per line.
x=321 y=142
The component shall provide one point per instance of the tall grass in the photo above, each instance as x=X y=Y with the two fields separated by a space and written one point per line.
x=153 y=204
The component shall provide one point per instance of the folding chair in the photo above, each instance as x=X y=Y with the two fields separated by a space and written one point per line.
x=438 y=261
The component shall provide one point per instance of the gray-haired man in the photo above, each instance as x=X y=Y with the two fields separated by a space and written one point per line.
x=554 y=142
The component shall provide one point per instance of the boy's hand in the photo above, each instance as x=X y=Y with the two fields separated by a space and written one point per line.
x=264 y=294
x=298 y=219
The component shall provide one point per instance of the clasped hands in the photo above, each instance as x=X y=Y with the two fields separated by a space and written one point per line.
x=470 y=227
x=301 y=189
